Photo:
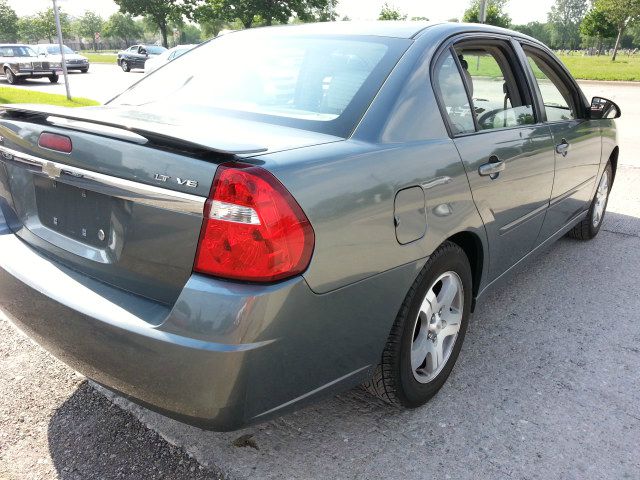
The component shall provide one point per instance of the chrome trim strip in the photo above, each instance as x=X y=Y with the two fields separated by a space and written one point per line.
x=566 y=195
x=108 y=185
x=518 y=221
x=98 y=129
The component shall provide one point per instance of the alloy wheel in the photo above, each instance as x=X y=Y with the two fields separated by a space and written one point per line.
x=601 y=199
x=436 y=327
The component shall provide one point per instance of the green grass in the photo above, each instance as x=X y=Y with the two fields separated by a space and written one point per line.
x=100 y=57
x=581 y=67
x=626 y=67
x=18 y=95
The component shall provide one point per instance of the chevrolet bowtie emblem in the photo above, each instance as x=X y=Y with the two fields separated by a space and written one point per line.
x=51 y=171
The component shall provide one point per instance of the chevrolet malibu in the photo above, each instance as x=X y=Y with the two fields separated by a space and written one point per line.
x=284 y=213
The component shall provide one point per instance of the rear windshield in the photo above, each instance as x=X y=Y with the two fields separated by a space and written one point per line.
x=320 y=83
x=16 y=51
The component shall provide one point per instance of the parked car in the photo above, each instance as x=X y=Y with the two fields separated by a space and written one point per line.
x=20 y=62
x=137 y=55
x=51 y=52
x=224 y=244
x=165 y=57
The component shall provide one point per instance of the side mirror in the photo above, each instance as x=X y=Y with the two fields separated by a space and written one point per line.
x=43 y=54
x=603 y=108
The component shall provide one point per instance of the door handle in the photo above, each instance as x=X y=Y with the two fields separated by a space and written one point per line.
x=493 y=168
x=563 y=148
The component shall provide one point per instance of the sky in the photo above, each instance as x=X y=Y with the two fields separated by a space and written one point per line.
x=521 y=11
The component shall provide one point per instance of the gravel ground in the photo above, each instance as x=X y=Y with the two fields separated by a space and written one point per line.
x=54 y=425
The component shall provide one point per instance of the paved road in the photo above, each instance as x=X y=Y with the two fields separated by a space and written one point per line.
x=101 y=83
x=546 y=387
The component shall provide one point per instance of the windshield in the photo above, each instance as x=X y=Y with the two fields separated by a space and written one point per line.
x=17 y=51
x=320 y=83
x=55 y=49
x=154 y=49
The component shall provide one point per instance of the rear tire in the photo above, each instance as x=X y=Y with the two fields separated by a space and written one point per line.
x=590 y=226
x=426 y=323
x=125 y=66
x=54 y=78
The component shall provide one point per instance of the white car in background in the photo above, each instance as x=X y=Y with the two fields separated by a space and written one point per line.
x=51 y=51
x=165 y=57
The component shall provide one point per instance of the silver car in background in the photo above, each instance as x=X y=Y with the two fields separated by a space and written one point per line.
x=20 y=62
x=51 y=52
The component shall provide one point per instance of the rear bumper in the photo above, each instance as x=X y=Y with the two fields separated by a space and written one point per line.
x=223 y=356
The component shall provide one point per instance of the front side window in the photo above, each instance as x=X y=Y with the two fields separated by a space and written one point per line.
x=453 y=94
x=498 y=102
x=558 y=100
x=308 y=82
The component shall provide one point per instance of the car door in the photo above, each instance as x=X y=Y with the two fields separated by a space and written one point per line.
x=130 y=55
x=507 y=152
x=141 y=56
x=576 y=138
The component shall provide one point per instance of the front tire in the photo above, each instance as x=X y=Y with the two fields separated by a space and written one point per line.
x=11 y=77
x=84 y=70
x=54 y=78
x=125 y=66
x=590 y=226
x=426 y=338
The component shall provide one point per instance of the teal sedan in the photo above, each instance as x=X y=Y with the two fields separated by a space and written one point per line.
x=284 y=213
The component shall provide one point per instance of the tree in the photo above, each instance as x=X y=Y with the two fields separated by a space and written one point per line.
x=622 y=13
x=420 y=19
x=47 y=22
x=595 y=24
x=265 y=12
x=565 y=18
x=29 y=29
x=160 y=11
x=123 y=27
x=8 y=23
x=495 y=14
x=391 y=13
x=88 y=25
x=537 y=30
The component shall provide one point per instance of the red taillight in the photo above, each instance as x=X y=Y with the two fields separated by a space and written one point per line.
x=253 y=228
x=53 y=141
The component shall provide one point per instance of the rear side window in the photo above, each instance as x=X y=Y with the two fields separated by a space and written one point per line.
x=558 y=100
x=453 y=94
x=498 y=101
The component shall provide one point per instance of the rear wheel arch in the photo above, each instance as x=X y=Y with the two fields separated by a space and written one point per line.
x=471 y=244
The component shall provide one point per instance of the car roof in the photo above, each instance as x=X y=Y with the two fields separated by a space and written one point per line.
x=383 y=28
x=14 y=45
x=391 y=28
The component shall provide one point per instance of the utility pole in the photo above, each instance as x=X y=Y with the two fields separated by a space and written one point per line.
x=483 y=11
x=64 y=61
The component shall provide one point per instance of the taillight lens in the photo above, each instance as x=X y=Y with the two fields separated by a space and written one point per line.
x=253 y=228
x=53 y=141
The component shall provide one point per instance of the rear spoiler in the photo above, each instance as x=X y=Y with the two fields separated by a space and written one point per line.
x=102 y=122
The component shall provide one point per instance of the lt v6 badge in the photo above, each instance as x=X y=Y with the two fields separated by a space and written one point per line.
x=185 y=182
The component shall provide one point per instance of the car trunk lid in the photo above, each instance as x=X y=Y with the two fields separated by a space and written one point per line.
x=125 y=205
